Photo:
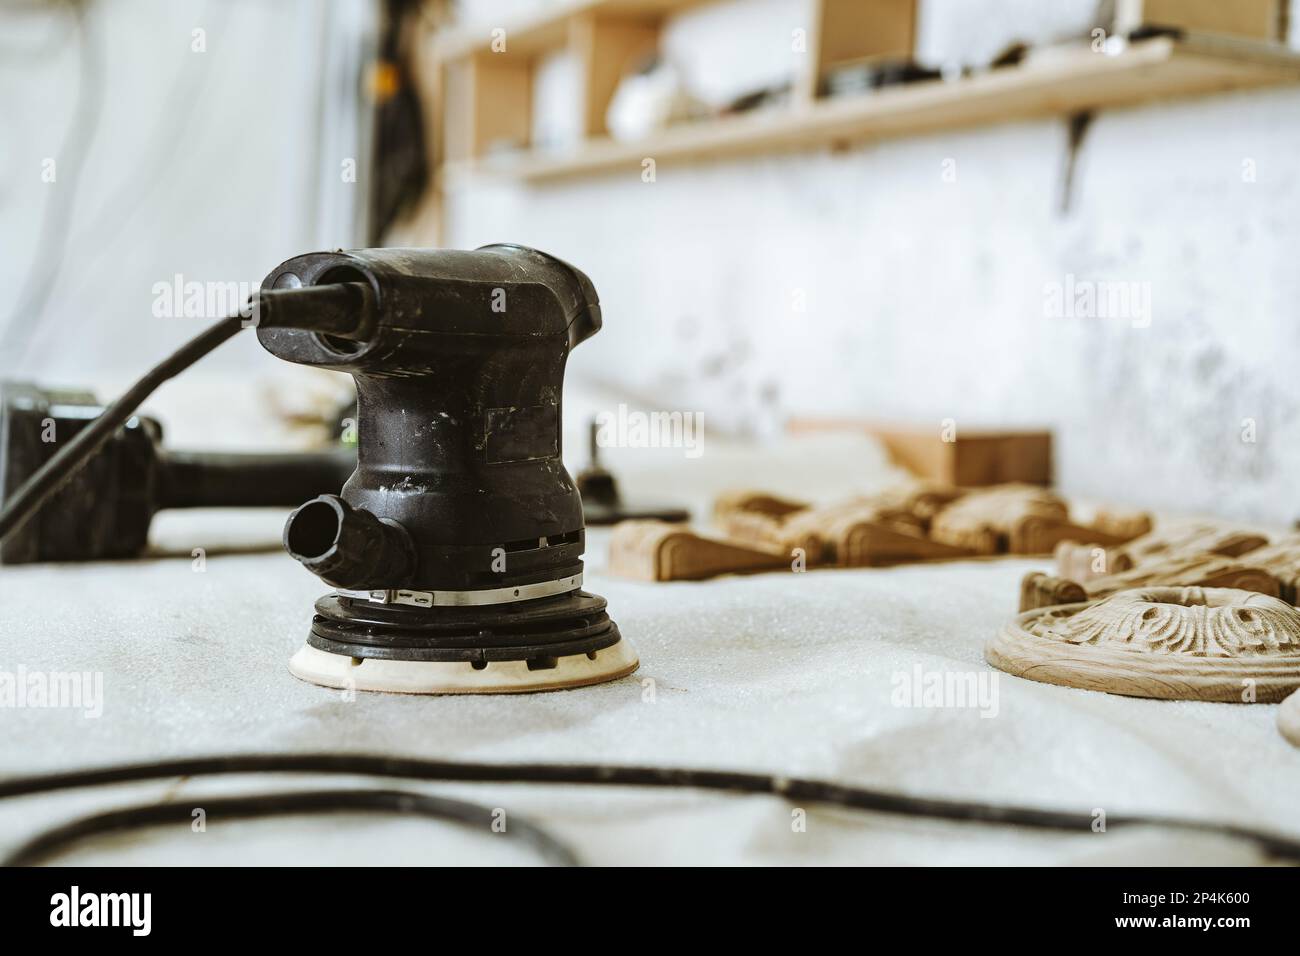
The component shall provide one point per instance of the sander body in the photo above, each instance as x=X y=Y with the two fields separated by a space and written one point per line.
x=455 y=548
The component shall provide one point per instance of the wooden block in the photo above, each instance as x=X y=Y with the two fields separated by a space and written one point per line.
x=974 y=458
x=1260 y=19
x=658 y=551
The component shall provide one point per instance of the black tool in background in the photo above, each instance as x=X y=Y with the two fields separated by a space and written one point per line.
x=602 y=503
x=105 y=509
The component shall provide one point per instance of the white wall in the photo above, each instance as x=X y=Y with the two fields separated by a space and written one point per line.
x=209 y=164
x=925 y=298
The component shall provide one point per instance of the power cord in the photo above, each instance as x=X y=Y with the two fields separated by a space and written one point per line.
x=797 y=789
x=405 y=803
x=340 y=309
x=69 y=459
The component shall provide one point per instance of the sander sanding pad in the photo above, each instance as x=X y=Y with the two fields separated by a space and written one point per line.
x=565 y=640
x=462 y=677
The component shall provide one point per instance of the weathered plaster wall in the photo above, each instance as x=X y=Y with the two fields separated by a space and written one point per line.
x=867 y=283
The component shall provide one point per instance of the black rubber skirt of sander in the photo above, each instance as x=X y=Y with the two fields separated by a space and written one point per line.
x=574 y=623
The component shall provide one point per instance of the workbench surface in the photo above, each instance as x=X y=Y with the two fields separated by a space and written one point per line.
x=795 y=674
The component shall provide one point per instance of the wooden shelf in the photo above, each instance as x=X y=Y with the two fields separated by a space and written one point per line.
x=1053 y=82
x=548 y=29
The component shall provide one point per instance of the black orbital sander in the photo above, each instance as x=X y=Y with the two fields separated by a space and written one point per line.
x=455 y=549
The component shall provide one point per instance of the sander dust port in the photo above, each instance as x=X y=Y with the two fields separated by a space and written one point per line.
x=455 y=548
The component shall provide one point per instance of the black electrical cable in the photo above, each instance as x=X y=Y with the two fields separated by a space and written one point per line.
x=61 y=838
x=68 y=460
x=1279 y=846
x=336 y=308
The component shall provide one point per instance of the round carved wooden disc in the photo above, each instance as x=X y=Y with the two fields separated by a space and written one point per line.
x=1173 y=643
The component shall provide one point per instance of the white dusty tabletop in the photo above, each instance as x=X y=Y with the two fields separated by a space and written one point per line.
x=788 y=673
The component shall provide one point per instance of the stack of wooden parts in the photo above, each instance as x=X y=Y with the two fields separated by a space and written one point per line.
x=1187 y=554
x=914 y=522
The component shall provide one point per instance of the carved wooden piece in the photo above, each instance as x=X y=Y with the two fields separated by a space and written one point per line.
x=1218 y=644
x=840 y=534
x=861 y=532
x=1122 y=524
x=763 y=531
x=1079 y=561
x=1023 y=519
x=1282 y=560
x=1082 y=562
x=658 y=551
x=1043 y=590
x=1193 y=537
x=921 y=499
x=1288 y=718
x=746 y=501
x=1197 y=570
x=1006 y=518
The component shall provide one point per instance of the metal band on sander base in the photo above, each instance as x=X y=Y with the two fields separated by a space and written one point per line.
x=477 y=598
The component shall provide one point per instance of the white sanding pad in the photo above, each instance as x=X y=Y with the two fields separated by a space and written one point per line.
x=427 y=677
